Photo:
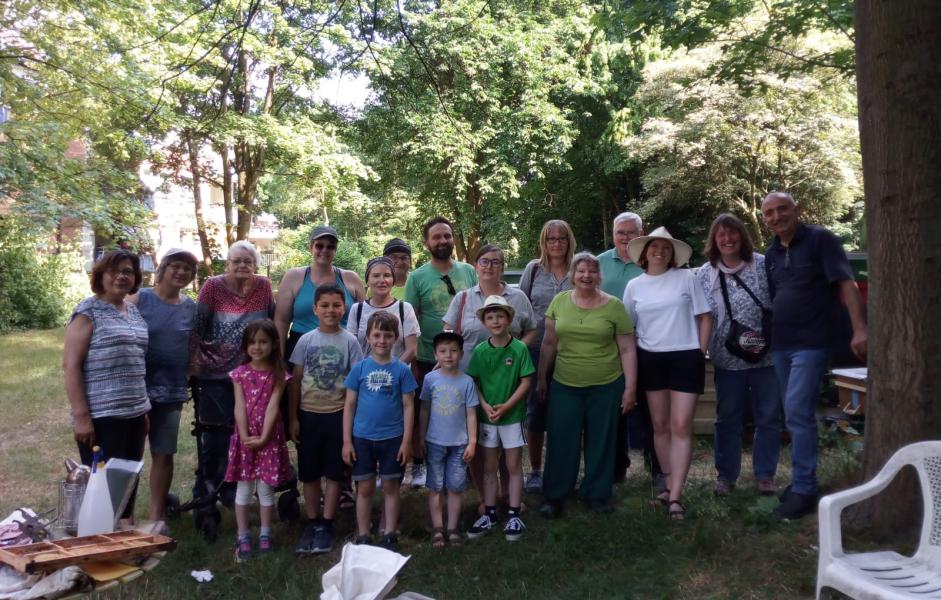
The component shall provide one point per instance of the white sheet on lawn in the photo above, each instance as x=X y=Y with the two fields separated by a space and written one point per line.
x=364 y=573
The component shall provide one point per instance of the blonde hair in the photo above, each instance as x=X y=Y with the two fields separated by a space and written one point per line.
x=544 y=245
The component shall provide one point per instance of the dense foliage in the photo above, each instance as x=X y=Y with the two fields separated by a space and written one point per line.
x=498 y=116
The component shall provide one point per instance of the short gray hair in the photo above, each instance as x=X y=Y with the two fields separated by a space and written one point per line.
x=629 y=216
x=581 y=257
x=248 y=247
x=784 y=195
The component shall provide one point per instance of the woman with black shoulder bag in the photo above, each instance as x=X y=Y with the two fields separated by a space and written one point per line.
x=736 y=288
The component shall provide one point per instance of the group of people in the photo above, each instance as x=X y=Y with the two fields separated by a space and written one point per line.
x=453 y=370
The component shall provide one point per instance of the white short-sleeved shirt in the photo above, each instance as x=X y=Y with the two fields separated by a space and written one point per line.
x=357 y=324
x=664 y=308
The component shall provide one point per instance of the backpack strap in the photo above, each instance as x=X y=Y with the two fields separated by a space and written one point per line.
x=402 y=314
x=359 y=315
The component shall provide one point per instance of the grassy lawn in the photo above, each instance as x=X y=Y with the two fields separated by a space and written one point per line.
x=729 y=548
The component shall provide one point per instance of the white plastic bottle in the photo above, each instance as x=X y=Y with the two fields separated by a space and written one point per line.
x=97 y=514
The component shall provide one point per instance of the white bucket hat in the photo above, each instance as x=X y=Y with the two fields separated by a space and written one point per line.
x=681 y=250
x=495 y=302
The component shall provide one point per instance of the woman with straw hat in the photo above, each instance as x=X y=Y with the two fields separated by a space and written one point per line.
x=673 y=323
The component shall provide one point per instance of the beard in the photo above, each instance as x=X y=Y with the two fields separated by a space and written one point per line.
x=442 y=251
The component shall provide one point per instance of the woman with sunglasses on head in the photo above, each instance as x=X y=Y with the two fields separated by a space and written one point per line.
x=294 y=315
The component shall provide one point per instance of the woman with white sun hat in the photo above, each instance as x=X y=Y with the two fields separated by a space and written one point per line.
x=673 y=323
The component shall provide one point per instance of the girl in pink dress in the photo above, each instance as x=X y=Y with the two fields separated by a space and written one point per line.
x=258 y=452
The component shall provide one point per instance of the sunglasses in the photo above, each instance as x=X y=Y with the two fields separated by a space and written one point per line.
x=447 y=281
x=321 y=246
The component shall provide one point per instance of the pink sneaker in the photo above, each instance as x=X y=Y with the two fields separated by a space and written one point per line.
x=264 y=544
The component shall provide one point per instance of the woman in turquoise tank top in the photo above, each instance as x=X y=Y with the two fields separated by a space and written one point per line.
x=294 y=314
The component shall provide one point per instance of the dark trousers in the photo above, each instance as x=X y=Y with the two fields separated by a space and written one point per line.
x=118 y=438
x=635 y=430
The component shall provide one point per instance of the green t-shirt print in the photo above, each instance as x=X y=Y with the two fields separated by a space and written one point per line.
x=428 y=294
x=498 y=371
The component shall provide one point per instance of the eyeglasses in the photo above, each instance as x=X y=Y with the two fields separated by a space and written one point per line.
x=490 y=262
x=556 y=240
x=447 y=281
x=242 y=261
x=118 y=272
x=328 y=247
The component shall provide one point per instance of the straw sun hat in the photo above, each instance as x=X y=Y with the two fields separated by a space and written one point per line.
x=681 y=250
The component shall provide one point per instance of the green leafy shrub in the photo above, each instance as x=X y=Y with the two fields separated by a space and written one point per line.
x=33 y=286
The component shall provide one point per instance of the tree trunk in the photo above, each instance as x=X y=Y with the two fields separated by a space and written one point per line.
x=899 y=78
x=224 y=151
x=471 y=231
x=192 y=148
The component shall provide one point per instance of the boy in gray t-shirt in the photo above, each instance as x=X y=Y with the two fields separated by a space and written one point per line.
x=449 y=433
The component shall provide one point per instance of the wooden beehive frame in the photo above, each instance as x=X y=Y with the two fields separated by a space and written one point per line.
x=52 y=555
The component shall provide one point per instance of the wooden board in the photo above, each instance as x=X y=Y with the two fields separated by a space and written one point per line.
x=52 y=555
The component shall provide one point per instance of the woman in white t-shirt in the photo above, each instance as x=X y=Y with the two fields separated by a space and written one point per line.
x=673 y=322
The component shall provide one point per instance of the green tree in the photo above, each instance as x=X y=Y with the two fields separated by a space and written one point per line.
x=705 y=146
x=467 y=109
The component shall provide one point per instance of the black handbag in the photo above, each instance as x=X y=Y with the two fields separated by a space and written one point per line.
x=744 y=342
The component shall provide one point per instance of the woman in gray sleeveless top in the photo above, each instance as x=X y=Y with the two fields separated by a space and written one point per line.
x=169 y=316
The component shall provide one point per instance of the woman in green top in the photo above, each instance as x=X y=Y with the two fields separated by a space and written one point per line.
x=590 y=340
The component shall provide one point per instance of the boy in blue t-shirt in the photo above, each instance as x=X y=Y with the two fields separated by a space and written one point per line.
x=380 y=391
x=449 y=432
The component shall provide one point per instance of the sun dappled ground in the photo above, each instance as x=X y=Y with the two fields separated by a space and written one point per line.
x=727 y=548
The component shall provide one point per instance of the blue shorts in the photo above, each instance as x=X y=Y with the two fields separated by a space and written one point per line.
x=370 y=453
x=446 y=468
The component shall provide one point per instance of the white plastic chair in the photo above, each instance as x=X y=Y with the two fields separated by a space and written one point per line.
x=888 y=575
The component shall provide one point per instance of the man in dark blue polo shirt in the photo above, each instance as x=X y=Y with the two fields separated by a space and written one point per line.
x=807 y=272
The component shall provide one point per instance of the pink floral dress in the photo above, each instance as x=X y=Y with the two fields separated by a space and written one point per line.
x=271 y=463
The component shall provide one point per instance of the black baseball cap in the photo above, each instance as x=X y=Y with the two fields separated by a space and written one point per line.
x=324 y=231
x=396 y=245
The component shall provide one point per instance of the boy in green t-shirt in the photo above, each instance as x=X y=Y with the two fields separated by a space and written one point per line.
x=503 y=371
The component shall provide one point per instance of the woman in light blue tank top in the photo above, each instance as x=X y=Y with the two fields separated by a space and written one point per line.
x=294 y=314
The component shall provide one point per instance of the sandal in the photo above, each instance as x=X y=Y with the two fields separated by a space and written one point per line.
x=679 y=512
x=663 y=498
x=437 y=538
x=347 y=500
x=455 y=539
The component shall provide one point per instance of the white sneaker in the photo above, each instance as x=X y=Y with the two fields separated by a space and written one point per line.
x=513 y=530
x=419 y=475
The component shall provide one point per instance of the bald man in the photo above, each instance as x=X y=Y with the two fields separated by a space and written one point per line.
x=808 y=272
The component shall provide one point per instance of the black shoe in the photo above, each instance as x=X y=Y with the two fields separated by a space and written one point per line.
x=323 y=540
x=390 y=541
x=795 y=506
x=305 y=543
x=601 y=506
x=551 y=509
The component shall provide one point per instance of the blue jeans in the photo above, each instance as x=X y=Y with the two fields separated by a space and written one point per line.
x=734 y=389
x=799 y=373
x=446 y=468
